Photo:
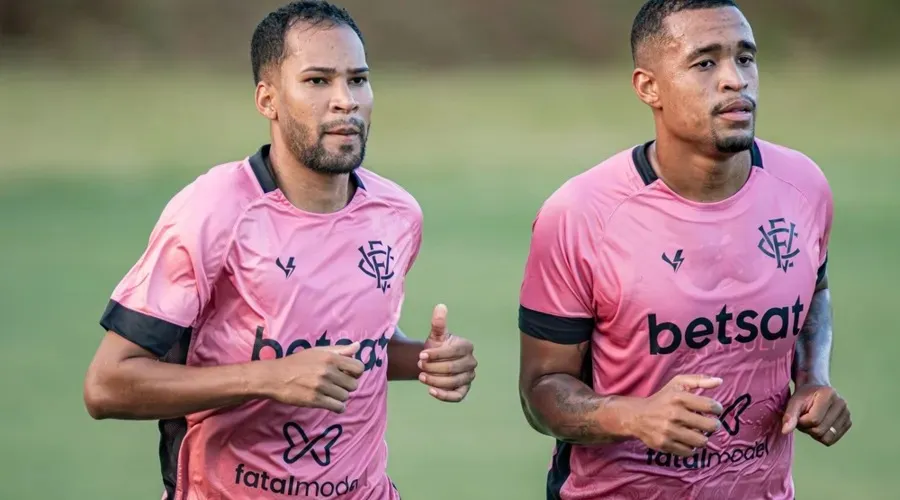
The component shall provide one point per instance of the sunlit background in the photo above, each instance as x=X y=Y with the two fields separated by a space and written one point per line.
x=483 y=107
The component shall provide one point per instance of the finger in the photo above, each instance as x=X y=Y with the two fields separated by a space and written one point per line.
x=343 y=380
x=438 y=323
x=705 y=425
x=453 y=367
x=334 y=391
x=449 y=383
x=329 y=403
x=455 y=350
x=828 y=421
x=842 y=425
x=689 y=382
x=699 y=404
x=815 y=413
x=795 y=407
x=689 y=437
x=351 y=366
x=679 y=449
x=454 y=396
x=343 y=350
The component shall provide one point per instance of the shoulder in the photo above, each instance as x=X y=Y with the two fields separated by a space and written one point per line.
x=391 y=195
x=593 y=196
x=208 y=208
x=796 y=169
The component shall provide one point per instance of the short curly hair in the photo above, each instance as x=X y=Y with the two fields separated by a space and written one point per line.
x=268 y=42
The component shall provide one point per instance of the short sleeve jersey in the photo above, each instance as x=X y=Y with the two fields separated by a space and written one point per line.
x=234 y=273
x=661 y=286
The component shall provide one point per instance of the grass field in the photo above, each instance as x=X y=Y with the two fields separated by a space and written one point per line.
x=89 y=160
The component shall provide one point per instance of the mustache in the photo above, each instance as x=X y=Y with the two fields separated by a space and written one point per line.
x=356 y=123
x=721 y=106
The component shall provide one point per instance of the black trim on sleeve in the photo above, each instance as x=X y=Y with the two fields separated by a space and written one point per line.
x=556 y=329
x=820 y=274
x=154 y=334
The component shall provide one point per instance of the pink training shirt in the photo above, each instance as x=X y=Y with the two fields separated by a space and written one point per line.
x=234 y=273
x=662 y=286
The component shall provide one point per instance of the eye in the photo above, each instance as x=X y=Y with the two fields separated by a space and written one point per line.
x=317 y=80
x=745 y=60
x=359 y=80
x=705 y=64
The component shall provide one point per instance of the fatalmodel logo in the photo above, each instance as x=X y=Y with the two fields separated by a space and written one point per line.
x=291 y=486
x=705 y=458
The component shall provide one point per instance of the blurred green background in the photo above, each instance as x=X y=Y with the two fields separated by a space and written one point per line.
x=483 y=108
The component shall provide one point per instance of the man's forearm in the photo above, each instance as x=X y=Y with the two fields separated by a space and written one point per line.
x=403 y=357
x=563 y=407
x=814 y=344
x=147 y=389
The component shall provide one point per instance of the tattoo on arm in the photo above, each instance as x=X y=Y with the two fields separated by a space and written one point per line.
x=814 y=345
x=564 y=407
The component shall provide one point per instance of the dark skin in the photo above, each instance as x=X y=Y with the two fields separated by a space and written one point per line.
x=319 y=96
x=701 y=82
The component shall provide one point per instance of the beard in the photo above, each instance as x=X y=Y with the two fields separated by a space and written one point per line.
x=733 y=144
x=310 y=149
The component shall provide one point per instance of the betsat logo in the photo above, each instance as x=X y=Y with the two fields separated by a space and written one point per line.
x=370 y=350
x=291 y=486
x=771 y=325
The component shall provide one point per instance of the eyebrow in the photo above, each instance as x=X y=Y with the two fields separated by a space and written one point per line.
x=717 y=47
x=334 y=71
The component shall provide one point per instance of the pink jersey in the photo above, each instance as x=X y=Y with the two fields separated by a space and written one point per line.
x=662 y=286
x=234 y=273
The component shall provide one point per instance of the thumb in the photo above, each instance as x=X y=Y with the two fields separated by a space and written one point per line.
x=438 y=323
x=344 y=350
x=791 y=415
x=691 y=382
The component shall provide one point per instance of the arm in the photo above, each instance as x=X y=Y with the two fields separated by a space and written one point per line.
x=558 y=403
x=126 y=381
x=403 y=357
x=814 y=346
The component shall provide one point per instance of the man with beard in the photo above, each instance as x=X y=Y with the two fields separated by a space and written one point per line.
x=672 y=292
x=272 y=288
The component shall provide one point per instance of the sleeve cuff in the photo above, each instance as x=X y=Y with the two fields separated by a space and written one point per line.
x=557 y=329
x=153 y=334
x=820 y=274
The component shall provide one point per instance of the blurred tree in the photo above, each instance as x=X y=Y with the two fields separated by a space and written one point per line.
x=430 y=32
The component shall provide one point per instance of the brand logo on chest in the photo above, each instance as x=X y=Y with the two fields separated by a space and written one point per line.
x=777 y=242
x=376 y=261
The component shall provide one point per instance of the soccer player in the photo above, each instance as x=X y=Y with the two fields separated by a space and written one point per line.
x=272 y=288
x=673 y=291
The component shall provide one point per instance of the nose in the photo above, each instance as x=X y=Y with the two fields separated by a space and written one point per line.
x=343 y=101
x=732 y=79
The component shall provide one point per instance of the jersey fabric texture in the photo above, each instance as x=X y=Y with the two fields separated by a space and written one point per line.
x=661 y=286
x=233 y=273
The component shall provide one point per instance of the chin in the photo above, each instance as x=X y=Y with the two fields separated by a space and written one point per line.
x=736 y=143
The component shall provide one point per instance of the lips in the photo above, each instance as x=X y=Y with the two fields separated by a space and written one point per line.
x=343 y=131
x=739 y=106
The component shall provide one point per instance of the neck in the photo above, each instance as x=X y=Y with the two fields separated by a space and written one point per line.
x=307 y=189
x=698 y=176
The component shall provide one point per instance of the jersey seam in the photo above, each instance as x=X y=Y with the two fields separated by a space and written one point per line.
x=816 y=223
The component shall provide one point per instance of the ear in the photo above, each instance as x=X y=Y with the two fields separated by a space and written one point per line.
x=266 y=100
x=645 y=86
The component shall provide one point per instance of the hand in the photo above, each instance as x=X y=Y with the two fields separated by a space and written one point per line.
x=447 y=362
x=672 y=420
x=819 y=411
x=321 y=377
